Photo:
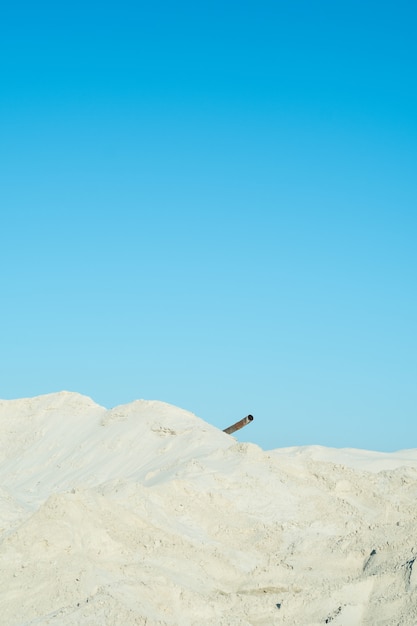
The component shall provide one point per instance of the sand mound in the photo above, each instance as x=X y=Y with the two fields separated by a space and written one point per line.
x=145 y=514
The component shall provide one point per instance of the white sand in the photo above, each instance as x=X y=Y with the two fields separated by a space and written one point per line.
x=145 y=514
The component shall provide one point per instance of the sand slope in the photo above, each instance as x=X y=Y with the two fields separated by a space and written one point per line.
x=145 y=514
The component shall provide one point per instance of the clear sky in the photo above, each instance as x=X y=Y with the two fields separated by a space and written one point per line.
x=214 y=204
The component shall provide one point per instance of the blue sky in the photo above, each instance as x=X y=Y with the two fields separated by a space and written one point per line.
x=214 y=205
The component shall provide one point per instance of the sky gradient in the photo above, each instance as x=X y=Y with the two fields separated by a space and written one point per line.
x=214 y=205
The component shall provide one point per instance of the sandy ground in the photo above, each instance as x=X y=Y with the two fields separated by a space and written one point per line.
x=145 y=514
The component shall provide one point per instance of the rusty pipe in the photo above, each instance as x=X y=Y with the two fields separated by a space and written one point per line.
x=238 y=425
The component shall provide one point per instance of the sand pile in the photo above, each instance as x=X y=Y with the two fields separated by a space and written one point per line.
x=145 y=514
